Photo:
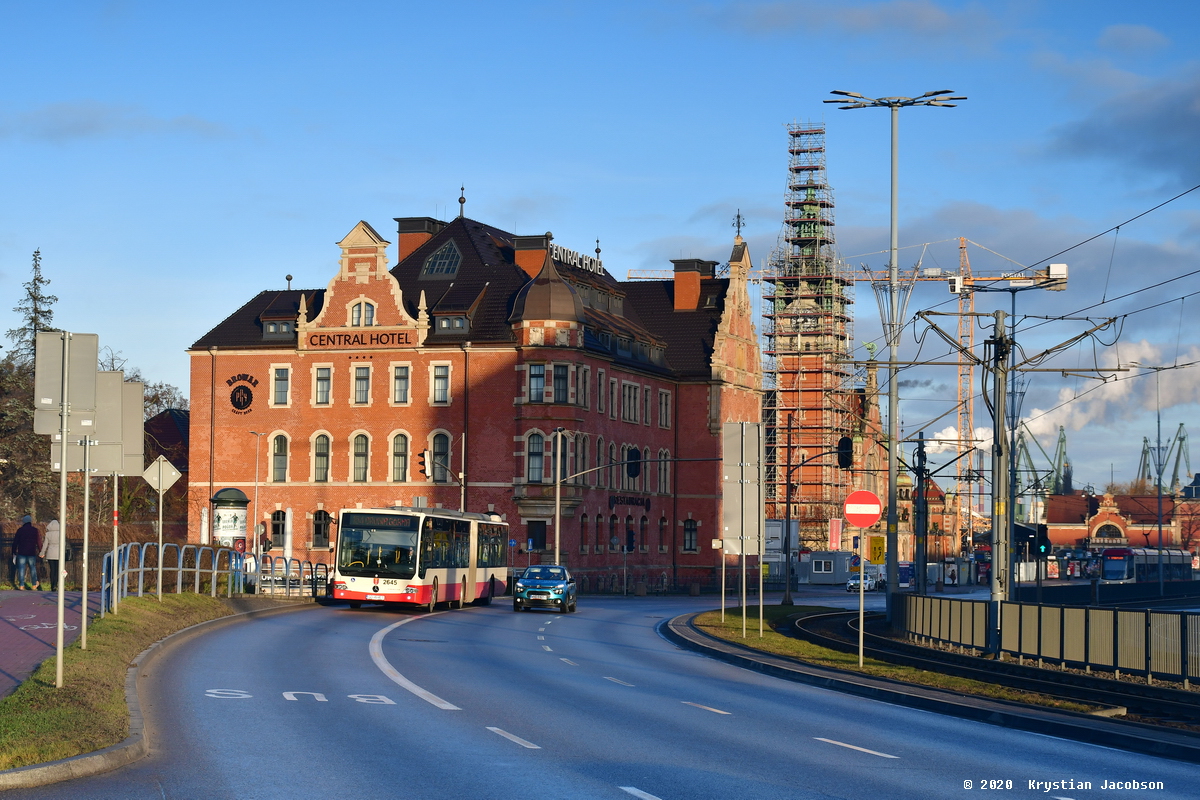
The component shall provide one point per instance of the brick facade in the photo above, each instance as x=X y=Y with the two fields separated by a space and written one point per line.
x=458 y=352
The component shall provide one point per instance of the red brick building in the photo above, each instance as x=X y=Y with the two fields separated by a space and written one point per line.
x=474 y=348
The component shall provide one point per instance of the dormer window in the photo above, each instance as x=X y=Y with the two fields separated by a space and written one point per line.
x=444 y=262
x=277 y=329
x=451 y=324
x=362 y=315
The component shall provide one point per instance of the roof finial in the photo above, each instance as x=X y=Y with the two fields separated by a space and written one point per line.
x=597 y=249
x=289 y=280
x=462 y=200
x=739 y=221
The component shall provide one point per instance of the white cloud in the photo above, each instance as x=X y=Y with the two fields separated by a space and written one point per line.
x=88 y=119
x=1132 y=39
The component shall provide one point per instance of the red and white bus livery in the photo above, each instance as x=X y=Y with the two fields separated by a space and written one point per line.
x=420 y=556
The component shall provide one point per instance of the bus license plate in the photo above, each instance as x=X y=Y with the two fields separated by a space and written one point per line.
x=375 y=597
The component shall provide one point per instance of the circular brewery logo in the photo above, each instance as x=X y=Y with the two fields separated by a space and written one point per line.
x=241 y=396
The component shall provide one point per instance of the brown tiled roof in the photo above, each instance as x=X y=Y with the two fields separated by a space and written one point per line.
x=1070 y=509
x=689 y=335
x=243 y=328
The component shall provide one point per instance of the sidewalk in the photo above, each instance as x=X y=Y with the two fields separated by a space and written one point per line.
x=28 y=624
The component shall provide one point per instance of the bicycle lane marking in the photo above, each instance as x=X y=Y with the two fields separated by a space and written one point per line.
x=387 y=669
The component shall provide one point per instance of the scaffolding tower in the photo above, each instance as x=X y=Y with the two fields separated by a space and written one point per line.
x=807 y=334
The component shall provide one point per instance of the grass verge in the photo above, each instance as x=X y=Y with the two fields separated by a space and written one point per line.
x=772 y=642
x=40 y=723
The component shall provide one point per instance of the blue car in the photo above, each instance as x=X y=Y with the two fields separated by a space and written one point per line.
x=545 y=586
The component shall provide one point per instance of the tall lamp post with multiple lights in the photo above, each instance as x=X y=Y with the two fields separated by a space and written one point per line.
x=892 y=324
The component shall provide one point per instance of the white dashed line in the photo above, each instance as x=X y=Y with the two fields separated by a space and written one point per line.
x=636 y=792
x=853 y=747
x=617 y=680
x=568 y=661
x=541 y=638
x=516 y=739
x=386 y=668
x=706 y=708
x=547 y=649
x=541 y=629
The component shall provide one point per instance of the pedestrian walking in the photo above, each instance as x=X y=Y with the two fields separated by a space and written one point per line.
x=50 y=553
x=25 y=546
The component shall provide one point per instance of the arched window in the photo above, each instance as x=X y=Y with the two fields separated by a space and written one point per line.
x=441 y=458
x=321 y=459
x=321 y=529
x=612 y=460
x=662 y=531
x=583 y=533
x=278 y=528
x=642 y=533
x=645 y=479
x=627 y=540
x=279 y=459
x=612 y=532
x=599 y=533
x=600 y=479
x=581 y=462
x=535 y=461
x=400 y=457
x=361 y=452
x=362 y=314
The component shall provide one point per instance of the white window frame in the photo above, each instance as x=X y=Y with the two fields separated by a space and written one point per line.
x=391 y=440
x=646 y=404
x=355 y=366
x=312 y=457
x=313 y=395
x=392 y=401
x=822 y=566
x=664 y=409
x=630 y=403
x=600 y=391
x=613 y=398
x=449 y=401
x=350 y=453
x=291 y=387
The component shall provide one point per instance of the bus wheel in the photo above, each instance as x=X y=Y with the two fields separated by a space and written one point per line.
x=433 y=597
x=355 y=604
x=462 y=594
x=486 y=600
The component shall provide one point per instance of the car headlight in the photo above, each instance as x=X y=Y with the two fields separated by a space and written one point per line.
x=562 y=587
x=520 y=585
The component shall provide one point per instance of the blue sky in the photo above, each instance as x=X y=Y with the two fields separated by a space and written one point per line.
x=171 y=159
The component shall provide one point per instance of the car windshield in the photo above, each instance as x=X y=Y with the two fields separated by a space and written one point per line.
x=378 y=551
x=545 y=574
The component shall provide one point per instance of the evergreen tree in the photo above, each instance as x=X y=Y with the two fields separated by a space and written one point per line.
x=37 y=313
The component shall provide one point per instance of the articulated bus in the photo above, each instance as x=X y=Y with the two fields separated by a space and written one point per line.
x=1140 y=565
x=420 y=556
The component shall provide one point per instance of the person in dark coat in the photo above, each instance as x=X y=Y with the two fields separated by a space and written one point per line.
x=26 y=543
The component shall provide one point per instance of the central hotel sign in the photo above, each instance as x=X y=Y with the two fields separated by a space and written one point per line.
x=365 y=338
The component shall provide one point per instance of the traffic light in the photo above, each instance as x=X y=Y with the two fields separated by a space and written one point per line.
x=1043 y=540
x=424 y=463
x=633 y=464
x=845 y=452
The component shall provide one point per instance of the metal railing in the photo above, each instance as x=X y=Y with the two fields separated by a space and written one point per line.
x=136 y=559
x=1153 y=644
x=289 y=577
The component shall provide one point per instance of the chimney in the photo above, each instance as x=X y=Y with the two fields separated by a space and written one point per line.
x=530 y=252
x=688 y=273
x=412 y=232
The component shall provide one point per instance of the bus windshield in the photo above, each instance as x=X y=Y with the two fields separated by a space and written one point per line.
x=387 y=548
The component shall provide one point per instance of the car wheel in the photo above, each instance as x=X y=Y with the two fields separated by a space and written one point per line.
x=574 y=605
x=433 y=598
x=355 y=604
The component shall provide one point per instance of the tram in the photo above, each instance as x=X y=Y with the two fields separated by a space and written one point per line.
x=1140 y=565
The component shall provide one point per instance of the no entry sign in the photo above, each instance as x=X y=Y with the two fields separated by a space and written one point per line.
x=863 y=509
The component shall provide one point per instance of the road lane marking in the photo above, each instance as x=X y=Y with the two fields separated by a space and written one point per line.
x=541 y=638
x=541 y=629
x=853 y=747
x=636 y=792
x=387 y=669
x=617 y=680
x=706 y=708
x=569 y=661
x=547 y=649
x=513 y=738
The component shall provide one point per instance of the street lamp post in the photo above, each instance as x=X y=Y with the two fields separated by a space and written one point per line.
x=254 y=529
x=892 y=326
x=557 y=458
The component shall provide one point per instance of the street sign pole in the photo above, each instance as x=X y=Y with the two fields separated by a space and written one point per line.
x=862 y=510
x=87 y=499
x=160 y=530
x=161 y=475
x=64 y=410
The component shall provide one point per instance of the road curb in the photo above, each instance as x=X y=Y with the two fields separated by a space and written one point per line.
x=137 y=744
x=1090 y=729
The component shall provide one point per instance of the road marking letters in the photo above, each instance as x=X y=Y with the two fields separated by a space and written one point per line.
x=547 y=649
x=636 y=792
x=568 y=661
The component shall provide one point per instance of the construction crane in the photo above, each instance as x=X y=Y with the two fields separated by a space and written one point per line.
x=1178 y=447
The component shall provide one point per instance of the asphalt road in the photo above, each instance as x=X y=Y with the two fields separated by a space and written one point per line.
x=488 y=703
